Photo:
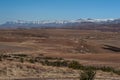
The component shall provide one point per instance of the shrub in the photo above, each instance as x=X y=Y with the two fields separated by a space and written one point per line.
x=74 y=65
x=87 y=75
x=0 y=58
x=31 y=60
x=55 y=63
x=117 y=72
x=107 y=69
x=20 y=55
x=22 y=60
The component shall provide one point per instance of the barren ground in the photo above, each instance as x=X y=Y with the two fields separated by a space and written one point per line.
x=89 y=47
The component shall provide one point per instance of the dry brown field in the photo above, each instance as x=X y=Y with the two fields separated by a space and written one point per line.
x=89 y=47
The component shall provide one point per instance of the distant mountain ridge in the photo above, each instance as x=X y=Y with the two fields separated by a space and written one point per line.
x=75 y=24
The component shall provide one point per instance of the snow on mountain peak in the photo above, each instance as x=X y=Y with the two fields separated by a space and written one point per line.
x=61 y=21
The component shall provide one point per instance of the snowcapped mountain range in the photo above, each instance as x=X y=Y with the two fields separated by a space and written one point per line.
x=61 y=23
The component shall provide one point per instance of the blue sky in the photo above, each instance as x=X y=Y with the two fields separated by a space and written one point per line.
x=11 y=10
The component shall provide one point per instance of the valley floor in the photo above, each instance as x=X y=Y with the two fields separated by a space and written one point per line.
x=89 y=48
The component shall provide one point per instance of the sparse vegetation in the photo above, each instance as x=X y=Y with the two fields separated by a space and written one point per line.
x=0 y=58
x=21 y=60
x=55 y=63
x=19 y=55
x=31 y=60
x=58 y=62
x=35 y=49
x=74 y=65
x=87 y=75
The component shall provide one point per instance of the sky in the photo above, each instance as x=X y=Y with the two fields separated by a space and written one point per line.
x=12 y=10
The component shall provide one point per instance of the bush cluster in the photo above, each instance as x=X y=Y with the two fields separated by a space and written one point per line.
x=87 y=75
x=58 y=62
x=55 y=63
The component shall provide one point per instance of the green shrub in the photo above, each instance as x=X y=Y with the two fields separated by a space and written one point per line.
x=31 y=60
x=20 y=55
x=107 y=69
x=87 y=75
x=116 y=72
x=74 y=65
x=0 y=58
x=57 y=63
x=22 y=60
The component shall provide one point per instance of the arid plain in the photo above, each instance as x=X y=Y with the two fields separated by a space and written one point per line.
x=89 y=47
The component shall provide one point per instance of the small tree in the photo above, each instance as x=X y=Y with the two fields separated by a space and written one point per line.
x=87 y=75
